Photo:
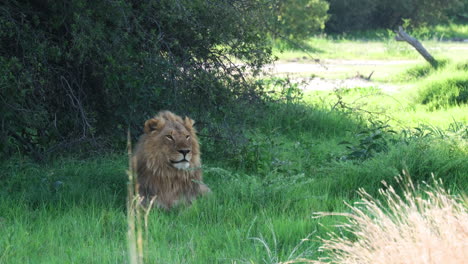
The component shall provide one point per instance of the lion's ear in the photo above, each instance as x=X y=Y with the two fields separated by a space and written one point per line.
x=188 y=123
x=153 y=124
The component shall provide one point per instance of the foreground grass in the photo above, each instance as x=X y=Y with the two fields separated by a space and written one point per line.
x=74 y=211
x=407 y=228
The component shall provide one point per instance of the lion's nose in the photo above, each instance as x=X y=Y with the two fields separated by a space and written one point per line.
x=184 y=151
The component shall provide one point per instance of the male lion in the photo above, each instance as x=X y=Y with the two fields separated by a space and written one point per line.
x=167 y=161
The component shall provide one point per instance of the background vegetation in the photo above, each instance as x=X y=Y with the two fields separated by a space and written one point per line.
x=354 y=15
x=75 y=71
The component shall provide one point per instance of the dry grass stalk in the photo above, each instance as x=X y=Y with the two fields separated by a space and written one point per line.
x=134 y=213
x=416 y=227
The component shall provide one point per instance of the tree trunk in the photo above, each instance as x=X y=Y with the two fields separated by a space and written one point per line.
x=401 y=35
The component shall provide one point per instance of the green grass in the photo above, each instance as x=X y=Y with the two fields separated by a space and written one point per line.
x=377 y=45
x=443 y=32
x=438 y=32
x=59 y=225
x=385 y=49
x=271 y=197
x=427 y=97
x=73 y=210
x=446 y=88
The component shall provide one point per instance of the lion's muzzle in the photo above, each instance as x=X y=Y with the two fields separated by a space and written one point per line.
x=182 y=160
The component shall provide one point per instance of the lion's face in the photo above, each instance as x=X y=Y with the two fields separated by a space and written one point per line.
x=173 y=140
x=178 y=145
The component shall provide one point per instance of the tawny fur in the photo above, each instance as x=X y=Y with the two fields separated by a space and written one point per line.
x=156 y=160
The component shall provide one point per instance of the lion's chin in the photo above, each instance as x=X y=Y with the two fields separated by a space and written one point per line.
x=181 y=165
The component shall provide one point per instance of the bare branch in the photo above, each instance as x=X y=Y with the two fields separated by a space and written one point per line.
x=401 y=35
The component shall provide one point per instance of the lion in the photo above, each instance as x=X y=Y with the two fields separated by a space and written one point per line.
x=167 y=161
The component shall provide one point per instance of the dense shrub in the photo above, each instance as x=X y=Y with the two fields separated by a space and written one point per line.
x=77 y=71
x=350 y=15
x=347 y=16
x=449 y=90
x=299 y=19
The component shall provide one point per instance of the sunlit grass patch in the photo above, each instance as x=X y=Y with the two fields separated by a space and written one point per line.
x=445 y=90
x=382 y=48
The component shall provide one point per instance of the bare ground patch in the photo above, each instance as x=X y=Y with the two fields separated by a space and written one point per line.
x=330 y=74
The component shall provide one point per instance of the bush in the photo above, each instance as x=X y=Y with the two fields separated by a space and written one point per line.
x=421 y=71
x=446 y=90
x=348 y=16
x=78 y=71
x=299 y=19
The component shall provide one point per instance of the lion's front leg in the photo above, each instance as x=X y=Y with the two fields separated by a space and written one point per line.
x=204 y=189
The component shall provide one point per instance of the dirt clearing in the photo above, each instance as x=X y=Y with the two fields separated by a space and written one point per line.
x=332 y=73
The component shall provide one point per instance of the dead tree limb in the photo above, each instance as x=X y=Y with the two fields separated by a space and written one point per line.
x=401 y=35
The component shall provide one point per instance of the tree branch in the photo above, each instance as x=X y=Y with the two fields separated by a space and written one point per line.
x=401 y=35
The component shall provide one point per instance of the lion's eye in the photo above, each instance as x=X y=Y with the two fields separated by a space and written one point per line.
x=187 y=137
x=170 y=137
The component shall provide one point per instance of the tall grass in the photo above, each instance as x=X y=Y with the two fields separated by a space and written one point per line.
x=419 y=71
x=134 y=233
x=442 y=87
x=288 y=170
x=418 y=226
x=137 y=213
x=445 y=90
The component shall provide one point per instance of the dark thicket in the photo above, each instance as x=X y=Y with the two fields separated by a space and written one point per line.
x=297 y=19
x=75 y=71
x=349 y=15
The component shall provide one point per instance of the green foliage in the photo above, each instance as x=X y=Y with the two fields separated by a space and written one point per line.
x=418 y=72
x=441 y=87
x=79 y=72
x=299 y=19
x=346 y=16
x=455 y=130
x=373 y=140
x=445 y=90
x=450 y=31
x=282 y=90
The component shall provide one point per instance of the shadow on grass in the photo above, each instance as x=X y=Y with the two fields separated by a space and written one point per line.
x=65 y=182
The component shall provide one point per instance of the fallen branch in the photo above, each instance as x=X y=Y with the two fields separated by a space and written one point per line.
x=401 y=35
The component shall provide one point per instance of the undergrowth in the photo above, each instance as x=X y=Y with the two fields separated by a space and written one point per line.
x=290 y=168
x=442 y=87
x=445 y=90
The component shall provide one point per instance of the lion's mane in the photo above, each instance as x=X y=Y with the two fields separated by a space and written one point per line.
x=167 y=161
